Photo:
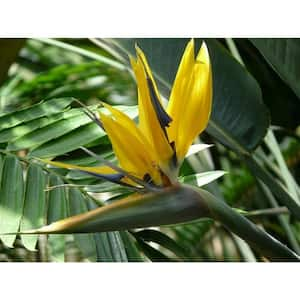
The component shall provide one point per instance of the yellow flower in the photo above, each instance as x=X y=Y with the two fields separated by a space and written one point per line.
x=151 y=152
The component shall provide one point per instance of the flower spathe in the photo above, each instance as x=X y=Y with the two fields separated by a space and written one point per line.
x=153 y=150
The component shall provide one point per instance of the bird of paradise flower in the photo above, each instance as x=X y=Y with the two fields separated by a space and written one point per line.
x=151 y=153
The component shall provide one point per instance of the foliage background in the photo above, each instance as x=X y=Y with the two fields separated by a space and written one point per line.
x=255 y=92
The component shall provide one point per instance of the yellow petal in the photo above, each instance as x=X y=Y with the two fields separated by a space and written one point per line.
x=132 y=153
x=149 y=123
x=100 y=170
x=179 y=93
x=123 y=119
x=96 y=170
x=195 y=91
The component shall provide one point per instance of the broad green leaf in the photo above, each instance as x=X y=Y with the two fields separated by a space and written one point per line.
x=85 y=242
x=202 y=178
x=239 y=117
x=11 y=198
x=33 y=112
x=283 y=54
x=34 y=214
x=280 y=99
x=57 y=209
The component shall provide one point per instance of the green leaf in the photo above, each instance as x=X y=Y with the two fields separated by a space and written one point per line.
x=34 y=214
x=202 y=178
x=11 y=198
x=239 y=117
x=149 y=235
x=277 y=188
x=152 y=253
x=290 y=183
x=132 y=252
x=109 y=245
x=1 y=166
x=24 y=129
x=191 y=235
x=69 y=142
x=48 y=133
x=85 y=242
x=33 y=112
x=117 y=246
x=106 y=187
x=21 y=130
x=195 y=148
x=57 y=209
x=283 y=54
x=83 y=52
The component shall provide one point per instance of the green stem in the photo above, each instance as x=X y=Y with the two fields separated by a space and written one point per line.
x=260 y=240
x=275 y=211
x=283 y=195
x=284 y=220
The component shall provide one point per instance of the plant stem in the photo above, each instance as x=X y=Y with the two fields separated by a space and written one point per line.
x=260 y=240
x=282 y=219
x=279 y=210
x=278 y=189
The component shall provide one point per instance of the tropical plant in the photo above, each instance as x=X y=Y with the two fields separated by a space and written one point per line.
x=50 y=98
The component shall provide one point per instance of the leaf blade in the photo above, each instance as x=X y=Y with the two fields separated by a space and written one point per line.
x=33 y=112
x=34 y=205
x=11 y=198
